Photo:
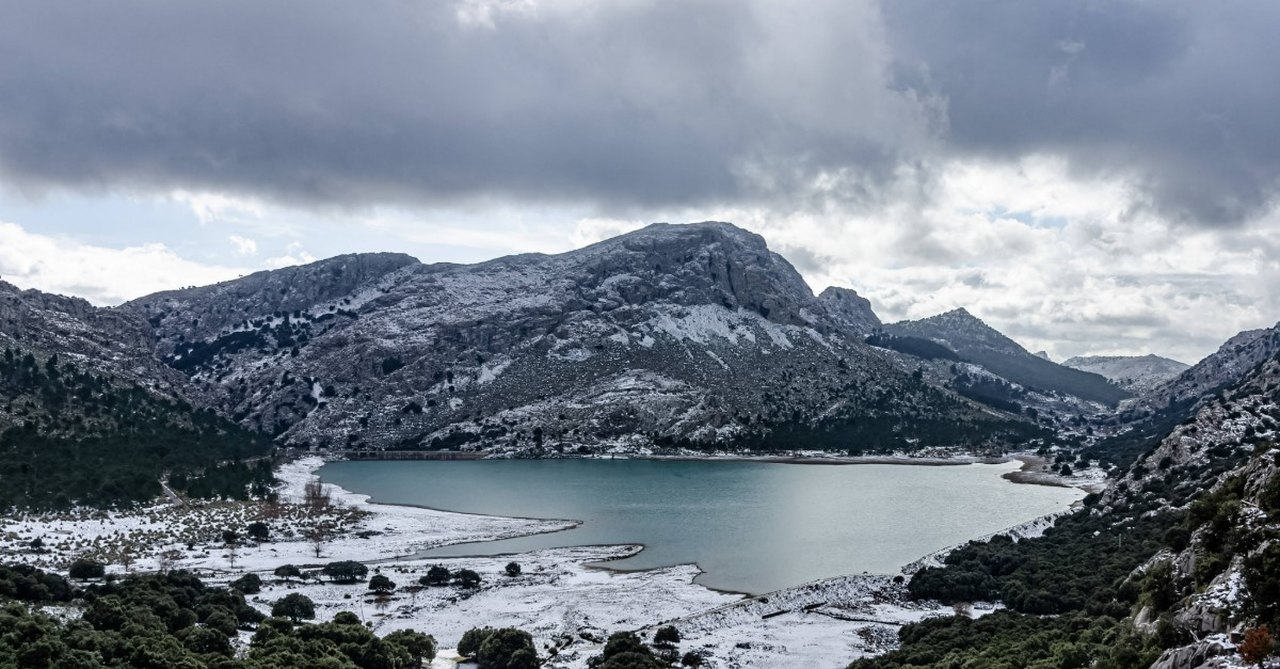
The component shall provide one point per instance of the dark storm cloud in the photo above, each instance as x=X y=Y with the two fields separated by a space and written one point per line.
x=388 y=100
x=1180 y=96
x=646 y=102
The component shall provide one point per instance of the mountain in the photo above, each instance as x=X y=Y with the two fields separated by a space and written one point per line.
x=976 y=342
x=1222 y=368
x=116 y=342
x=850 y=309
x=674 y=334
x=1136 y=374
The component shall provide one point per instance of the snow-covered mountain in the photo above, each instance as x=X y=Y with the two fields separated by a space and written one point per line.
x=1136 y=374
x=671 y=334
x=976 y=342
x=1222 y=368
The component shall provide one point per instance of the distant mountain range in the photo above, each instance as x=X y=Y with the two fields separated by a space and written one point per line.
x=693 y=335
x=1136 y=374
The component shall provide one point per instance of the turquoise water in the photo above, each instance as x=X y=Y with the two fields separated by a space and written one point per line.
x=752 y=527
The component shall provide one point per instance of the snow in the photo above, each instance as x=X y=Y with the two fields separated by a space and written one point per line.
x=565 y=597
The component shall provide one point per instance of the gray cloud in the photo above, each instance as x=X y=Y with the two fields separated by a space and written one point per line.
x=636 y=105
x=1179 y=96
x=387 y=101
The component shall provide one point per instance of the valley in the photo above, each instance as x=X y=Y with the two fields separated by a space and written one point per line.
x=622 y=423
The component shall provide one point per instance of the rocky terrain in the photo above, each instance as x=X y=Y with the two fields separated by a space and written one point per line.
x=675 y=335
x=1136 y=374
x=692 y=334
x=1223 y=571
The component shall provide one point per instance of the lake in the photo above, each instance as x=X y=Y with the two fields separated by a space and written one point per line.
x=751 y=526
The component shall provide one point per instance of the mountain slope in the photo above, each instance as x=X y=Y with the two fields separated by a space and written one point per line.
x=674 y=333
x=975 y=341
x=1136 y=374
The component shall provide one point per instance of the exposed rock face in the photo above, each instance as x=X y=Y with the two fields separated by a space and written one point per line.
x=850 y=309
x=979 y=343
x=1221 y=369
x=112 y=341
x=1136 y=374
x=694 y=332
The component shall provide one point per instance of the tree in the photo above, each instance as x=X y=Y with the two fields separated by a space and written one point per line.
x=315 y=496
x=381 y=584
x=507 y=648
x=691 y=659
x=317 y=534
x=436 y=575
x=249 y=584
x=287 y=571
x=84 y=568
x=513 y=569
x=1257 y=645
x=259 y=531
x=345 y=571
x=421 y=647
x=666 y=636
x=295 y=607
x=230 y=537
x=625 y=650
x=467 y=578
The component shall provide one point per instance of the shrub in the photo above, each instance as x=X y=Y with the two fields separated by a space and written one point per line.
x=513 y=569
x=84 y=568
x=436 y=575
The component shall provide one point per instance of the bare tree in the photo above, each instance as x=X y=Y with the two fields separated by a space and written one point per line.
x=317 y=534
x=169 y=560
x=315 y=496
x=233 y=554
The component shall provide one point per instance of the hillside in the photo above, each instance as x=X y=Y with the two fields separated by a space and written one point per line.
x=1136 y=374
x=1174 y=566
x=692 y=334
x=975 y=341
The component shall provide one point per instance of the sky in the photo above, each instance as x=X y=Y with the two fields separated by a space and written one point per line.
x=1088 y=177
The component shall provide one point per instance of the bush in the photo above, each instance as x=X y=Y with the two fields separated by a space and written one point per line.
x=467 y=578
x=84 y=568
x=666 y=636
x=513 y=569
x=287 y=571
x=436 y=575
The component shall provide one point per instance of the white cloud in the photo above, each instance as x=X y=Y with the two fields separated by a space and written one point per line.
x=1057 y=262
x=99 y=274
x=244 y=245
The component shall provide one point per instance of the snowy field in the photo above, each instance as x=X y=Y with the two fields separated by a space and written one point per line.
x=562 y=596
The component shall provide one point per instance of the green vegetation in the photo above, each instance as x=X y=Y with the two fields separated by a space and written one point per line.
x=916 y=346
x=76 y=437
x=504 y=648
x=176 y=621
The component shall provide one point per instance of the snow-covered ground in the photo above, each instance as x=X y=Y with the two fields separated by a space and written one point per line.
x=562 y=596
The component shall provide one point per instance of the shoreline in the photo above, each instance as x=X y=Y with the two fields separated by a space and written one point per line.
x=563 y=593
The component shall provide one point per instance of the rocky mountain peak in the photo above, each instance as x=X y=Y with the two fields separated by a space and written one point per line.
x=852 y=309
x=692 y=264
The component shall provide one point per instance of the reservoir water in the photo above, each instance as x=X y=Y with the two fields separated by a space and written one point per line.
x=751 y=526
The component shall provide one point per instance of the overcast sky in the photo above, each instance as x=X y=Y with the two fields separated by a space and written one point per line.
x=1088 y=177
